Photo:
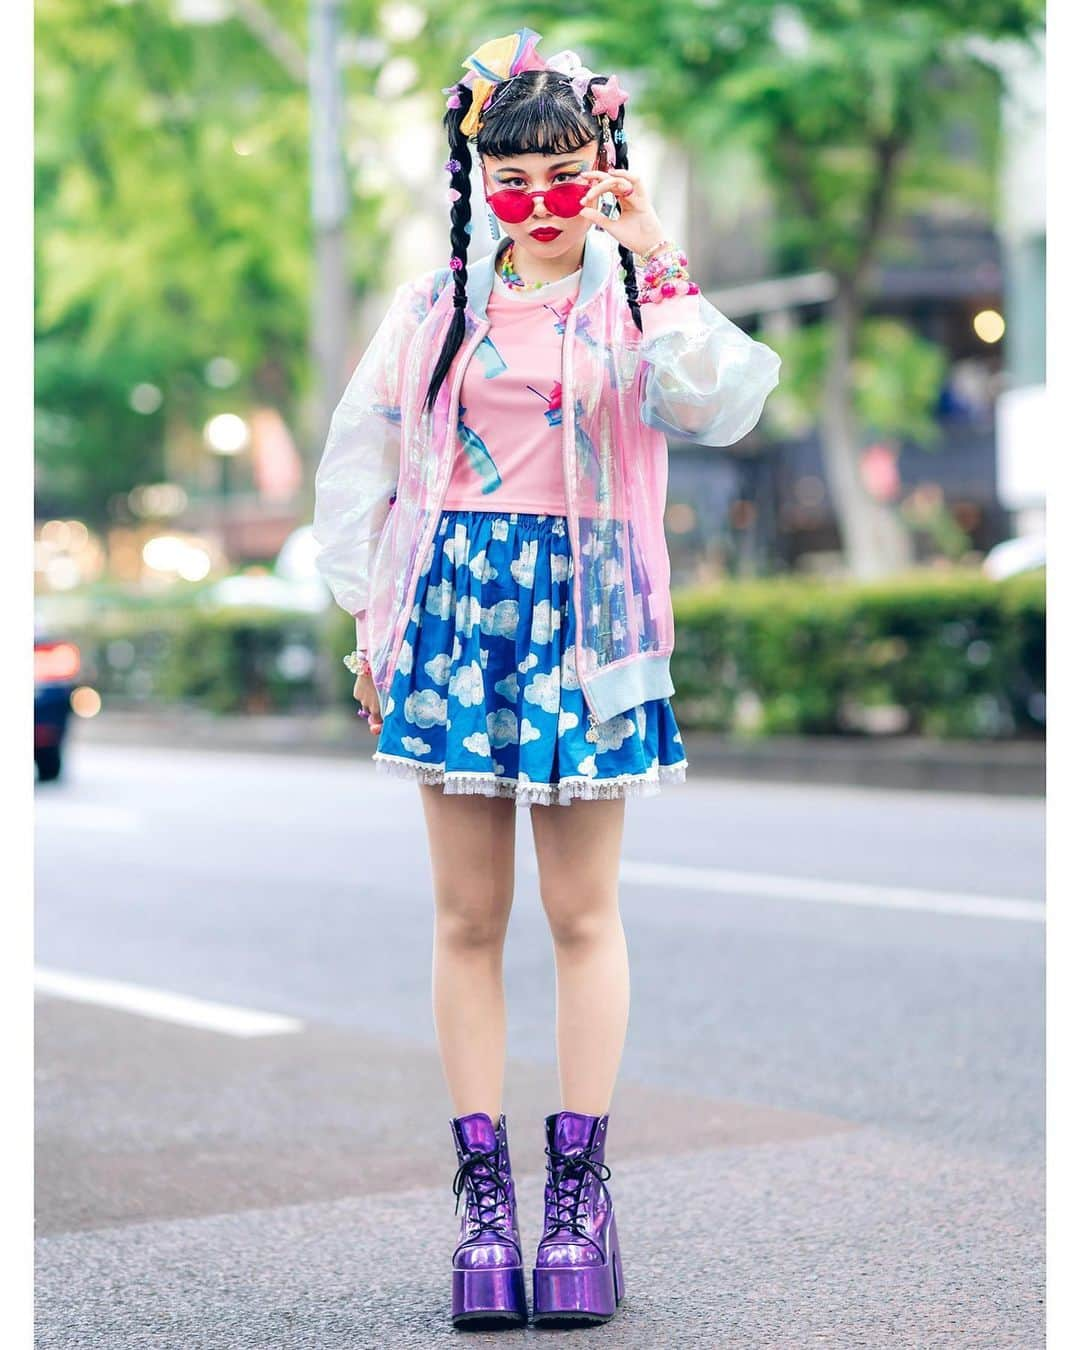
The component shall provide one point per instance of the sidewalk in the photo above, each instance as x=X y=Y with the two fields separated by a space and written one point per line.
x=1006 y=767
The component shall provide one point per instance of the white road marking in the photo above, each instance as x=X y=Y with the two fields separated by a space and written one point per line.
x=867 y=894
x=86 y=816
x=162 y=1005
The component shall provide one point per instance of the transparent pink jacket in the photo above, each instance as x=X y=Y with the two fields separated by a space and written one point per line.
x=384 y=472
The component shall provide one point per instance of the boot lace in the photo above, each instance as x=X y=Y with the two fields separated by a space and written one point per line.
x=566 y=1192
x=488 y=1191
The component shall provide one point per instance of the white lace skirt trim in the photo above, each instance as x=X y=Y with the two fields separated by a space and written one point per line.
x=528 y=793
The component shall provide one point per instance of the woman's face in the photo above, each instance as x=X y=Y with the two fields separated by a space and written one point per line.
x=558 y=235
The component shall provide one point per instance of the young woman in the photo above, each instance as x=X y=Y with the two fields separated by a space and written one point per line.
x=490 y=507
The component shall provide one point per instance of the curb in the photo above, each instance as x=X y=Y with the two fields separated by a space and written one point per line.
x=1000 y=768
x=1016 y=768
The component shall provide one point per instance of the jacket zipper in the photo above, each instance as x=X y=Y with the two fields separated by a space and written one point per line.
x=571 y=507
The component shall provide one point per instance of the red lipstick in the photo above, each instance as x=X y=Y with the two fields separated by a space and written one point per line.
x=545 y=233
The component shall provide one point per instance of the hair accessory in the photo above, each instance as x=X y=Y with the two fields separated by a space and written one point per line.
x=452 y=166
x=491 y=63
x=568 y=63
x=456 y=264
x=500 y=59
x=609 y=97
x=619 y=135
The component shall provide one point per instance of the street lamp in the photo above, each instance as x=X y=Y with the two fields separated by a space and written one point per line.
x=226 y=435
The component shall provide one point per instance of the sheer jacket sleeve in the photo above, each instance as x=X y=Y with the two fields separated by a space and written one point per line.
x=701 y=376
x=358 y=470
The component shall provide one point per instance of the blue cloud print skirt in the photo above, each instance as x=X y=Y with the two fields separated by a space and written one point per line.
x=485 y=697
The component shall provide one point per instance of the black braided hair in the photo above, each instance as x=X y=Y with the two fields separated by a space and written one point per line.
x=536 y=112
x=622 y=161
x=460 y=213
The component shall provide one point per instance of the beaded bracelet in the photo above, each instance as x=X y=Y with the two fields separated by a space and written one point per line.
x=665 y=274
x=663 y=244
x=357 y=661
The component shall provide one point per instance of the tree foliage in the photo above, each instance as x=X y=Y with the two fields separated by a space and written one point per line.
x=897 y=378
x=826 y=92
x=172 y=228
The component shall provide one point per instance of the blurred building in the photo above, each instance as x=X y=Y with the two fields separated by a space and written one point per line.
x=779 y=515
x=1023 y=427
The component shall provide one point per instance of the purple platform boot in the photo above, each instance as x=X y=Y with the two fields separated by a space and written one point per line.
x=578 y=1272
x=489 y=1279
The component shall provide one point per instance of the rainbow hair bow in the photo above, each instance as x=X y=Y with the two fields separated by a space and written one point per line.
x=493 y=62
x=500 y=58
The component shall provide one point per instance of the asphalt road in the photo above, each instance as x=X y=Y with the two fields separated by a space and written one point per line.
x=828 y=1128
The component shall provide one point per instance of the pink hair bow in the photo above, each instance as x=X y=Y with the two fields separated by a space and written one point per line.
x=568 y=63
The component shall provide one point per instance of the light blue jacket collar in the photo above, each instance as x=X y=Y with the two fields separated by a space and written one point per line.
x=595 y=269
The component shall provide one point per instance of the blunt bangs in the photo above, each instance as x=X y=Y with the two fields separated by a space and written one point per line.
x=536 y=119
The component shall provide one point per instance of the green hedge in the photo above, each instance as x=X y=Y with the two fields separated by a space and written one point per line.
x=225 y=660
x=951 y=655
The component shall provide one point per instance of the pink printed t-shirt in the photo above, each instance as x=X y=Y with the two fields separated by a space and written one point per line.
x=509 y=453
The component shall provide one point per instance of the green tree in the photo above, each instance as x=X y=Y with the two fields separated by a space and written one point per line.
x=896 y=380
x=172 y=227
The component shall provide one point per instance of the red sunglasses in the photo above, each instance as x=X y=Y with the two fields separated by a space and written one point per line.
x=515 y=204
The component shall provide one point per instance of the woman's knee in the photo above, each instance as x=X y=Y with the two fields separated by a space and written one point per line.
x=574 y=926
x=475 y=921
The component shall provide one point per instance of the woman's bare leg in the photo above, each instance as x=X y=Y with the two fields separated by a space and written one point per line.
x=471 y=842
x=577 y=851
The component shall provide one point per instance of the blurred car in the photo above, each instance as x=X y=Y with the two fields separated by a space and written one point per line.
x=294 y=584
x=56 y=666
x=1026 y=553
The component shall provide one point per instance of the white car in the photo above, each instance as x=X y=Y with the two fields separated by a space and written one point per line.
x=294 y=583
x=1025 y=554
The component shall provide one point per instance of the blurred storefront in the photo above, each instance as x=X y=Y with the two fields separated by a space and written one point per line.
x=1023 y=429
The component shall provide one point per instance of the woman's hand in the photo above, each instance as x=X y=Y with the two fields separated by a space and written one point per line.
x=637 y=225
x=365 y=694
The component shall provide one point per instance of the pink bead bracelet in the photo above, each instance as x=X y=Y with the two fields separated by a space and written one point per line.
x=666 y=276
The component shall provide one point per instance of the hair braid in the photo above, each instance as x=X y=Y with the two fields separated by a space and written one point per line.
x=460 y=215
x=622 y=161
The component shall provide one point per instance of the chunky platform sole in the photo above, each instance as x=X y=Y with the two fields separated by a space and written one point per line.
x=582 y=1294
x=494 y=1296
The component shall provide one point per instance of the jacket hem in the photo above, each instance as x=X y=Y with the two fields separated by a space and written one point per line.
x=524 y=507
x=618 y=688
